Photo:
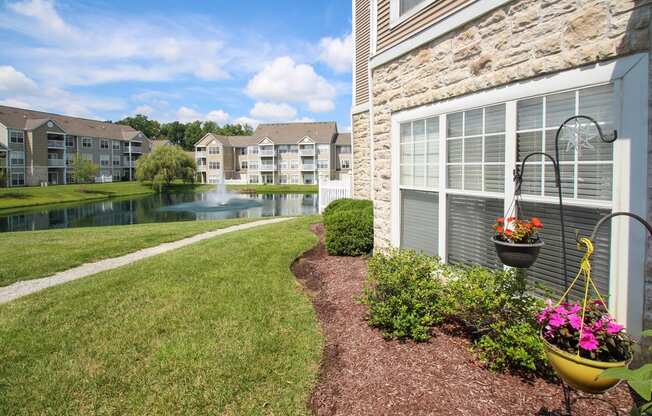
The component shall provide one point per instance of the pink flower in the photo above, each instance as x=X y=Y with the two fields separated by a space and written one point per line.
x=614 y=328
x=575 y=321
x=588 y=341
x=575 y=309
x=556 y=320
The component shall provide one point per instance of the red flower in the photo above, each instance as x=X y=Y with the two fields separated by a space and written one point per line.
x=500 y=220
x=508 y=232
x=510 y=219
x=536 y=222
x=499 y=229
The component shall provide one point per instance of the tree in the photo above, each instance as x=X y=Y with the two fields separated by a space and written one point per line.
x=164 y=165
x=237 y=130
x=140 y=122
x=192 y=135
x=174 y=132
x=84 y=170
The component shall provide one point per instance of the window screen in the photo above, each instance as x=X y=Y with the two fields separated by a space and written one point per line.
x=469 y=230
x=407 y=5
x=548 y=269
x=419 y=221
x=586 y=173
x=476 y=149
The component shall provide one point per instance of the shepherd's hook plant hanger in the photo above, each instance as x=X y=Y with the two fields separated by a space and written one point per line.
x=518 y=174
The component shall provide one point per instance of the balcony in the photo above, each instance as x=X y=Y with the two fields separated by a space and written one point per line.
x=267 y=153
x=56 y=163
x=56 y=144
x=133 y=149
x=200 y=155
x=129 y=163
x=308 y=167
x=267 y=167
x=307 y=152
x=201 y=168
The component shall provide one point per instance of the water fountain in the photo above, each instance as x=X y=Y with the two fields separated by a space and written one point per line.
x=220 y=199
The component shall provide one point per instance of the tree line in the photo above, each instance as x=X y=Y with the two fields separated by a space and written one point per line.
x=184 y=135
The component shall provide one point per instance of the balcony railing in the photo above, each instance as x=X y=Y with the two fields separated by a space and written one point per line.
x=266 y=153
x=57 y=163
x=129 y=163
x=306 y=152
x=56 y=144
x=133 y=149
x=266 y=167
x=200 y=155
x=307 y=167
x=202 y=168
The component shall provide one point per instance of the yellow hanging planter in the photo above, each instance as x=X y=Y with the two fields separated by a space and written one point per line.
x=581 y=373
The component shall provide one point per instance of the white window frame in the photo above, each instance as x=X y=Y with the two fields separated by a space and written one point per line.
x=104 y=144
x=213 y=165
x=20 y=175
x=13 y=158
x=86 y=142
x=21 y=138
x=629 y=76
x=213 y=150
x=395 y=17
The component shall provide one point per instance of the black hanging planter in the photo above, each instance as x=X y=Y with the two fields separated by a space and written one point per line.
x=521 y=256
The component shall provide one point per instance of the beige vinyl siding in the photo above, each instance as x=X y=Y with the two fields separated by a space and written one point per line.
x=389 y=36
x=362 y=50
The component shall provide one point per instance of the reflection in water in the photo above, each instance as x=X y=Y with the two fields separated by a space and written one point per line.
x=163 y=207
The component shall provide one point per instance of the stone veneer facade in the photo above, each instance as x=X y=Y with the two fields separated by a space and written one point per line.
x=361 y=152
x=523 y=39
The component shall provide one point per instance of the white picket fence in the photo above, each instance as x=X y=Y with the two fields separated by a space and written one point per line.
x=329 y=191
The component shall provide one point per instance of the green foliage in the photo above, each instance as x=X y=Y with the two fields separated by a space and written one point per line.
x=3 y=178
x=408 y=293
x=84 y=170
x=140 y=122
x=350 y=230
x=403 y=294
x=345 y=204
x=640 y=380
x=164 y=165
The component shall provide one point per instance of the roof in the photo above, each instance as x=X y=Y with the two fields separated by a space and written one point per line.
x=159 y=143
x=234 y=141
x=292 y=133
x=22 y=119
x=343 y=139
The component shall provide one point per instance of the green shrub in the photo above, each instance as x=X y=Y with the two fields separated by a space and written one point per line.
x=402 y=294
x=409 y=293
x=350 y=228
x=345 y=204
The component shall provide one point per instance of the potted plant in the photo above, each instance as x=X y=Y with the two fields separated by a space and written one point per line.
x=582 y=342
x=517 y=241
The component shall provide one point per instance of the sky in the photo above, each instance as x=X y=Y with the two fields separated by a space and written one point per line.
x=220 y=60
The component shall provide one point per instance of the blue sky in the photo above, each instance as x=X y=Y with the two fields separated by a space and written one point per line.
x=226 y=61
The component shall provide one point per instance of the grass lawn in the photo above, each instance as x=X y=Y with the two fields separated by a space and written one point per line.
x=24 y=197
x=219 y=327
x=274 y=189
x=29 y=255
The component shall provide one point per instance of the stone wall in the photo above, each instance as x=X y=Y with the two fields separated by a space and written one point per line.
x=523 y=39
x=361 y=152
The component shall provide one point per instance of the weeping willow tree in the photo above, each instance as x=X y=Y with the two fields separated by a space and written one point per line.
x=164 y=165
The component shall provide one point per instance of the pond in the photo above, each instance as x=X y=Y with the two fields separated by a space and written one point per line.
x=164 y=207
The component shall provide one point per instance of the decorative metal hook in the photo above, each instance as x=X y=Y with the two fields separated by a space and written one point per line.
x=607 y=217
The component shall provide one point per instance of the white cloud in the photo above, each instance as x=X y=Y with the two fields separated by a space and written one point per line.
x=218 y=116
x=272 y=111
x=337 y=53
x=303 y=120
x=247 y=120
x=187 y=115
x=283 y=80
x=145 y=110
x=15 y=82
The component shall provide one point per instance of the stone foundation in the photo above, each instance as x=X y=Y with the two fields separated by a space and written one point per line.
x=361 y=152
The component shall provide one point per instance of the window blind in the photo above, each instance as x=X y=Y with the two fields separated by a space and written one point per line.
x=470 y=232
x=548 y=270
x=420 y=221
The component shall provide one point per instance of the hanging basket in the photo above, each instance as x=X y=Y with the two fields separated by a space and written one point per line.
x=521 y=256
x=581 y=373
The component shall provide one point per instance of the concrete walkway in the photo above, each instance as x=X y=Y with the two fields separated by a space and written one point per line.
x=24 y=288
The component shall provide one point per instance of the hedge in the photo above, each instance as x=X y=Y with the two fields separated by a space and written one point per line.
x=349 y=227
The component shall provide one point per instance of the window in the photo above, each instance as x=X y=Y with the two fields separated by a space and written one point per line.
x=241 y=151
x=213 y=164
x=17 y=179
x=253 y=179
x=116 y=162
x=294 y=164
x=104 y=144
x=296 y=179
x=70 y=141
x=16 y=136
x=243 y=164
x=104 y=159
x=212 y=179
x=283 y=165
x=405 y=6
x=323 y=148
x=87 y=142
x=283 y=149
x=587 y=172
x=213 y=150
x=345 y=164
x=345 y=150
x=252 y=150
x=116 y=145
x=322 y=164
x=253 y=165
x=283 y=179
x=476 y=149
x=419 y=159
x=116 y=177
x=17 y=158
x=294 y=149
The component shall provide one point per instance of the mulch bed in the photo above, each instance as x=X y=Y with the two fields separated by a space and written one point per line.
x=363 y=374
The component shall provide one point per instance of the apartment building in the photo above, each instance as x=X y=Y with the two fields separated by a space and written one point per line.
x=450 y=95
x=283 y=153
x=38 y=147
